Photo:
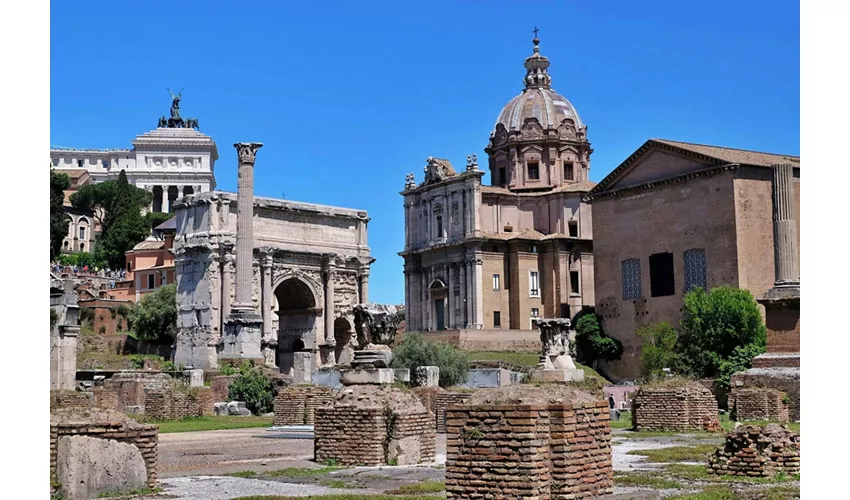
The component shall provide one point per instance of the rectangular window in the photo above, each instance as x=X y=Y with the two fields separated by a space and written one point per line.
x=533 y=249
x=661 y=278
x=573 y=228
x=150 y=282
x=82 y=233
x=503 y=178
x=79 y=163
x=695 y=269
x=535 y=312
x=497 y=319
x=568 y=171
x=533 y=170
x=574 y=285
x=565 y=310
x=533 y=284
x=104 y=163
x=439 y=226
x=632 y=289
x=56 y=162
x=496 y=283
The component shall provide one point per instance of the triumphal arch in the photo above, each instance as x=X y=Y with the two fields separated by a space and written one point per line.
x=310 y=268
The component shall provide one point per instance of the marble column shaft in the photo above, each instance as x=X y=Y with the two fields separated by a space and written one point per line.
x=245 y=225
x=479 y=295
x=461 y=271
x=450 y=301
x=226 y=286
x=785 y=242
x=329 y=307
x=266 y=297
x=364 y=286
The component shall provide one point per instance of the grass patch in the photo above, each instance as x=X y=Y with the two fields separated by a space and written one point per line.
x=523 y=359
x=625 y=421
x=645 y=480
x=700 y=473
x=781 y=493
x=708 y=493
x=338 y=497
x=425 y=486
x=729 y=425
x=191 y=424
x=131 y=493
x=288 y=472
x=696 y=453
x=335 y=483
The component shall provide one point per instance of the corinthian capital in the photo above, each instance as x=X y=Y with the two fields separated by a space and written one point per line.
x=247 y=151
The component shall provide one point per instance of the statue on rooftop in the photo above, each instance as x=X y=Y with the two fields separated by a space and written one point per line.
x=175 y=103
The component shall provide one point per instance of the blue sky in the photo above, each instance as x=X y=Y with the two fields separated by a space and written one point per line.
x=348 y=97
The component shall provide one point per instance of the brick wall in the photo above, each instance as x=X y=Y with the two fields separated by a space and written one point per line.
x=296 y=405
x=759 y=404
x=220 y=386
x=786 y=380
x=143 y=437
x=60 y=399
x=442 y=401
x=105 y=398
x=427 y=395
x=529 y=451
x=167 y=403
x=675 y=408
x=353 y=435
x=751 y=450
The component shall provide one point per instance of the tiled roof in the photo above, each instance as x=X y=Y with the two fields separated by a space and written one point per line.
x=150 y=245
x=170 y=224
x=732 y=155
x=573 y=187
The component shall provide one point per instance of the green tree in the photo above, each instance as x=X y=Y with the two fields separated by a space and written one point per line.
x=253 y=388
x=721 y=331
x=414 y=351
x=122 y=224
x=154 y=318
x=592 y=343
x=659 y=349
x=59 y=220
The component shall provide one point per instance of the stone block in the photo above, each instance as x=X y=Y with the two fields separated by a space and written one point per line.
x=302 y=367
x=88 y=467
x=238 y=408
x=378 y=356
x=196 y=377
x=220 y=409
x=368 y=376
x=428 y=376
x=402 y=374
x=557 y=375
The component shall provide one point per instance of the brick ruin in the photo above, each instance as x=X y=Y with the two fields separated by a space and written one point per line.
x=784 y=379
x=442 y=402
x=220 y=385
x=296 y=405
x=675 y=405
x=427 y=395
x=755 y=451
x=176 y=402
x=102 y=425
x=548 y=442
x=374 y=425
x=759 y=404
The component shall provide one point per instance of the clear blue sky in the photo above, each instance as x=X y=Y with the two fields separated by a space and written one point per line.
x=348 y=97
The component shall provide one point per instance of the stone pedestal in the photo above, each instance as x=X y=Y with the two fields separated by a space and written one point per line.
x=242 y=336
x=557 y=375
x=428 y=376
x=372 y=376
x=196 y=377
x=402 y=374
x=377 y=356
x=302 y=368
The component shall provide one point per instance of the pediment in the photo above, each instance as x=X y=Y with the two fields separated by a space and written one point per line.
x=531 y=147
x=657 y=164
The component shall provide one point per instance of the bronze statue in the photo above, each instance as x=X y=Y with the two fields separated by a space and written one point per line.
x=175 y=103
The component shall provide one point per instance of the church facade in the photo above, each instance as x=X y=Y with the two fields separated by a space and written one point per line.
x=495 y=257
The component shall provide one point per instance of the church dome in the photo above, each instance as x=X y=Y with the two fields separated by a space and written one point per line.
x=537 y=100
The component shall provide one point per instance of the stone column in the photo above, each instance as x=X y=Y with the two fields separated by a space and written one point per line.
x=179 y=192
x=450 y=299
x=329 y=306
x=784 y=226
x=463 y=298
x=243 y=328
x=165 y=203
x=364 y=285
x=479 y=296
x=226 y=286
x=266 y=297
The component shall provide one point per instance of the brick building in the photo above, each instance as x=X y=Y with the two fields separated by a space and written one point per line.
x=674 y=216
x=494 y=257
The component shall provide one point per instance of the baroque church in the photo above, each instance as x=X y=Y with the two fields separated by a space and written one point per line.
x=495 y=257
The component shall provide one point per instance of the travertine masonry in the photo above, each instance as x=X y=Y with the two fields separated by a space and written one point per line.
x=751 y=450
x=759 y=404
x=675 y=408
x=543 y=451
x=296 y=405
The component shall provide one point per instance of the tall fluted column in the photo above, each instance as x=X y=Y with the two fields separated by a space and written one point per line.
x=226 y=286
x=364 y=285
x=245 y=224
x=165 y=201
x=266 y=297
x=461 y=271
x=479 y=295
x=784 y=226
x=329 y=306
x=243 y=327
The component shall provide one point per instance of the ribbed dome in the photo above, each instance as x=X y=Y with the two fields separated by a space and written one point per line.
x=549 y=107
x=538 y=100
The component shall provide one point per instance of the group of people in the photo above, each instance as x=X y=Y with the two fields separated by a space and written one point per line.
x=113 y=274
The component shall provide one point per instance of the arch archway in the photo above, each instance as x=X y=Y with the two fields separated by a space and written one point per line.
x=343 y=333
x=439 y=294
x=297 y=315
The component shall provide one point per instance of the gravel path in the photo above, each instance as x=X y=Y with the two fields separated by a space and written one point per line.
x=227 y=488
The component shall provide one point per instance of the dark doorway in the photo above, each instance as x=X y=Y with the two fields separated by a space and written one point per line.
x=661 y=279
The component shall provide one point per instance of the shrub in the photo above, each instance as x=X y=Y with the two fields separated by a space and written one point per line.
x=721 y=332
x=592 y=342
x=228 y=370
x=414 y=351
x=254 y=389
x=154 y=319
x=659 y=344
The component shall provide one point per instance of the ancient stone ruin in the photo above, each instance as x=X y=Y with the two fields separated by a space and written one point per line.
x=64 y=330
x=756 y=451
x=759 y=404
x=523 y=441
x=675 y=405
x=374 y=425
x=94 y=452
x=296 y=405
x=556 y=365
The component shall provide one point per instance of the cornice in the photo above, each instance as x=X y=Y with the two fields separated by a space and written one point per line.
x=662 y=182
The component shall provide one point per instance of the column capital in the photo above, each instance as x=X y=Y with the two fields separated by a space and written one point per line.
x=247 y=151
